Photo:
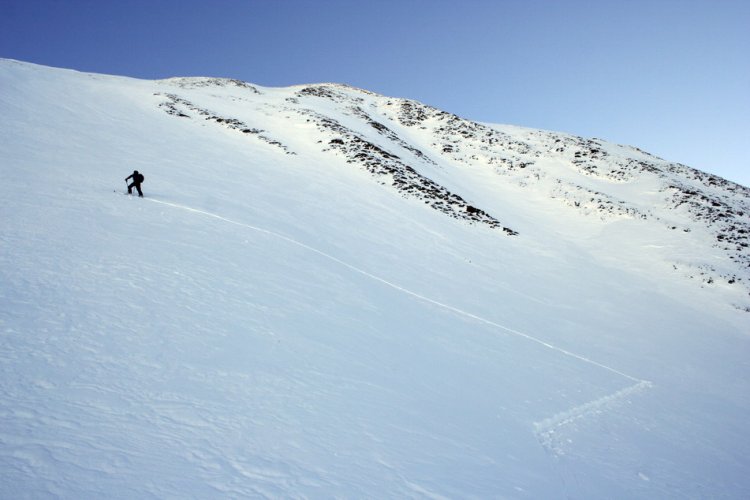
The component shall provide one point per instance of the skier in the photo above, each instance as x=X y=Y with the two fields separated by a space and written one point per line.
x=137 y=180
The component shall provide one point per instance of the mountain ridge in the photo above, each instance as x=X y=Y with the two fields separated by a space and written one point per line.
x=723 y=206
x=417 y=142
x=303 y=306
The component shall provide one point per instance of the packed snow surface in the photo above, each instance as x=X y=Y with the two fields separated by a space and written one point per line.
x=330 y=293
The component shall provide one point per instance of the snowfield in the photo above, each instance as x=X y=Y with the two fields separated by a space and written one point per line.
x=330 y=293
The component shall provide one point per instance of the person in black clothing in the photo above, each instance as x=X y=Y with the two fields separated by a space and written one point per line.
x=137 y=179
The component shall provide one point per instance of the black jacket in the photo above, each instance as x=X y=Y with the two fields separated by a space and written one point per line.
x=136 y=176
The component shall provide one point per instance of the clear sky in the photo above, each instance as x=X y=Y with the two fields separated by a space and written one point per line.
x=669 y=76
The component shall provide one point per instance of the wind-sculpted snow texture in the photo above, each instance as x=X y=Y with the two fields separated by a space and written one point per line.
x=329 y=293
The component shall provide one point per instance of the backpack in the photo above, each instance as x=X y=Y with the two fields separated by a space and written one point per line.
x=141 y=178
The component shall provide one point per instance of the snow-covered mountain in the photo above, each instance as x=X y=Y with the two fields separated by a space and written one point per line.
x=332 y=293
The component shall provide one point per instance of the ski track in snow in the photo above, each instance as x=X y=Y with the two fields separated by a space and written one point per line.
x=544 y=429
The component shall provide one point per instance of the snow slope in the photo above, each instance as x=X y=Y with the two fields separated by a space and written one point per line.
x=331 y=293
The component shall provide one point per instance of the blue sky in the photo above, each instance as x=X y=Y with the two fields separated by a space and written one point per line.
x=669 y=76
